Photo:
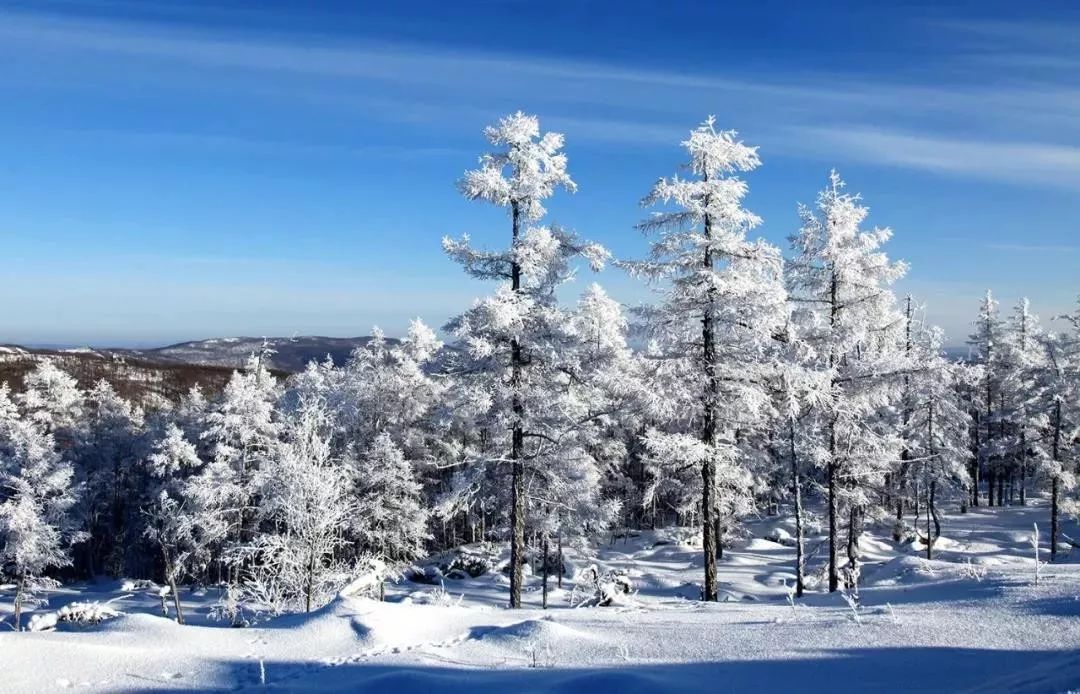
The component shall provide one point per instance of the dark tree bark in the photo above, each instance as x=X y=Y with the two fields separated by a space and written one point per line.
x=560 y=565
x=709 y=429
x=796 y=491
x=834 y=571
x=905 y=455
x=517 y=443
x=1054 y=485
x=545 y=570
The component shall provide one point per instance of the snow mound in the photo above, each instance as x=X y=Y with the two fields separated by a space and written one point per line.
x=530 y=631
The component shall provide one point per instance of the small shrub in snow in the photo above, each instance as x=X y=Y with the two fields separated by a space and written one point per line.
x=467 y=563
x=229 y=607
x=81 y=613
x=131 y=585
x=439 y=597
x=594 y=588
x=428 y=575
x=542 y=658
x=972 y=570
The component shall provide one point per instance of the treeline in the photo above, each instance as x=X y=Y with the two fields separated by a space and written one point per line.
x=763 y=381
x=142 y=381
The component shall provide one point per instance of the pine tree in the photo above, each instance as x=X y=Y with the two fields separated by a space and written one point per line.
x=108 y=458
x=721 y=304
x=52 y=401
x=1022 y=354
x=390 y=520
x=1056 y=400
x=936 y=431
x=985 y=342
x=171 y=522
x=306 y=500
x=839 y=281
x=511 y=340
x=243 y=433
x=36 y=496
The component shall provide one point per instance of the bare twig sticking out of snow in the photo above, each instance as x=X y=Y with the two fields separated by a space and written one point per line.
x=1035 y=546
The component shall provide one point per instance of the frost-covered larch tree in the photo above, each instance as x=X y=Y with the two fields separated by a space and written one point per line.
x=1056 y=400
x=108 y=463
x=936 y=428
x=36 y=496
x=799 y=392
x=513 y=339
x=306 y=505
x=391 y=519
x=1022 y=353
x=985 y=341
x=840 y=281
x=243 y=432
x=171 y=520
x=721 y=305
x=51 y=399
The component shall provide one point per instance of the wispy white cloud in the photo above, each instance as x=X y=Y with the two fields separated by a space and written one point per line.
x=234 y=144
x=1032 y=248
x=1014 y=162
x=802 y=114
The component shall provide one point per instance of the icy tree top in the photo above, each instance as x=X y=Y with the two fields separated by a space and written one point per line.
x=526 y=172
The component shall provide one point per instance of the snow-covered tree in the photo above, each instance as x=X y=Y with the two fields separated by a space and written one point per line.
x=385 y=388
x=1022 y=354
x=1056 y=400
x=52 y=401
x=171 y=523
x=243 y=432
x=108 y=458
x=800 y=392
x=936 y=429
x=307 y=506
x=512 y=341
x=36 y=496
x=985 y=341
x=840 y=285
x=390 y=521
x=721 y=304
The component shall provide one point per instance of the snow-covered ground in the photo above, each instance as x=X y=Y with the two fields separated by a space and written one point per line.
x=971 y=620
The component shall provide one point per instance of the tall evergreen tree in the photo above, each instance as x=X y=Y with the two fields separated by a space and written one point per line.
x=721 y=304
x=840 y=282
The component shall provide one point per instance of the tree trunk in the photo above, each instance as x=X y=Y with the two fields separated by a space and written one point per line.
x=1054 y=484
x=834 y=573
x=310 y=587
x=517 y=512
x=796 y=491
x=708 y=431
x=20 y=595
x=545 y=569
x=976 y=464
x=170 y=576
x=905 y=454
x=853 y=547
x=1023 y=472
x=560 y=565
x=932 y=505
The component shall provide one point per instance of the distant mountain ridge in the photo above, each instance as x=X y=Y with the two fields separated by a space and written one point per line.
x=289 y=353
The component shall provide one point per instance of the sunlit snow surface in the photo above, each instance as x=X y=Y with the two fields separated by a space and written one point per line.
x=923 y=626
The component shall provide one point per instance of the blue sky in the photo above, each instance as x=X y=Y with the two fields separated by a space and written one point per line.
x=179 y=170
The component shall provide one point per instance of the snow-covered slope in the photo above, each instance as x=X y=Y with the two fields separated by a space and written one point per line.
x=970 y=620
